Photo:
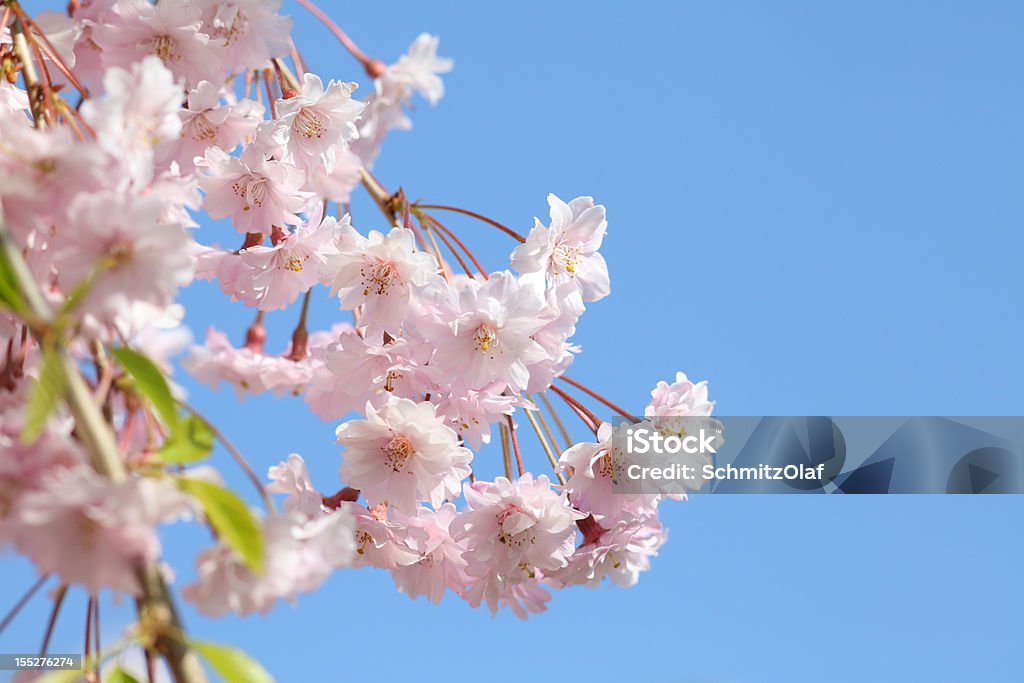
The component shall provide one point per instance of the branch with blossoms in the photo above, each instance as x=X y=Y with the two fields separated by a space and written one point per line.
x=191 y=111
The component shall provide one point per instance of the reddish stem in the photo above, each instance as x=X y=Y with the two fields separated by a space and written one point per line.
x=588 y=417
x=515 y=445
x=508 y=231
x=374 y=67
x=599 y=397
x=440 y=226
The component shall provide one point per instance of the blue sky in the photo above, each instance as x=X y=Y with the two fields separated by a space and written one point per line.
x=815 y=206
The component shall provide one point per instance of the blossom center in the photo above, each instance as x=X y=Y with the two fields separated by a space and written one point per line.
x=88 y=530
x=485 y=339
x=566 y=257
x=231 y=32
x=203 y=130
x=252 y=189
x=379 y=278
x=165 y=48
x=309 y=124
x=292 y=262
x=510 y=528
x=610 y=466
x=397 y=453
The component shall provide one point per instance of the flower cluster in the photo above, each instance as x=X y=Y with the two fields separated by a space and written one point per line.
x=200 y=110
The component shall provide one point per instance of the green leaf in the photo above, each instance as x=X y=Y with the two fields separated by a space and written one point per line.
x=230 y=518
x=10 y=294
x=190 y=441
x=150 y=381
x=44 y=396
x=231 y=663
x=119 y=675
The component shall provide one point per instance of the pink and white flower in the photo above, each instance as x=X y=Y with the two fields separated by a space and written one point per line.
x=206 y=122
x=315 y=121
x=291 y=477
x=490 y=339
x=299 y=553
x=92 y=531
x=619 y=553
x=566 y=251
x=250 y=31
x=379 y=273
x=256 y=193
x=117 y=244
x=171 y=31
x=440 y=565
x=402 y=454
x=273 y=277
x=682 y=398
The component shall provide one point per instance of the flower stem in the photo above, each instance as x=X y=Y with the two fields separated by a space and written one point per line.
x=23 y=601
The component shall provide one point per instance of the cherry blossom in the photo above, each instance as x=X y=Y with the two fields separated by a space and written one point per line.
x=171 y=31
x=251 y=31
x=619 y=553
x=315 y=120
x=292 y=477
x=403 y=453
x=106 y=210
x=682 y=398
x=566 y=251
x=356 y=371
x=490 y=338
x=513 y=532
x=441 y=565
x=273 y=277
x=116 y=247
x=299 y=554
x=92 y=531
x=256 y=193
x=379 y=272
x=207 y=123
x=594 y=468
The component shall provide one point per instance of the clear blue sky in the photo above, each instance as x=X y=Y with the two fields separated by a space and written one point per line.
x=815 y=206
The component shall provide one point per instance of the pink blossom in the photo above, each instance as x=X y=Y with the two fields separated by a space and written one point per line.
x=117 y=243
x=419 y=68
x=402 y=454
x=620 y=553
x=292 y=477
x=356 y=371
x=379 y=541
x=315 y=121
x=170 y=31
x=246 y=370
x=92 y=531
x=513 y=532
x=414 y=72
x=299 y=553
x=41 y=171
x=594 y=468
x=379 y=272
x=471 y=412
x=440 y=563
x=251 y=31
x=682 y=398
x=254 y=192
x=140 y=110
x=491 y=337
x=273 y=277
x=337 y=176
x=207 y=123
x=566 y=251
